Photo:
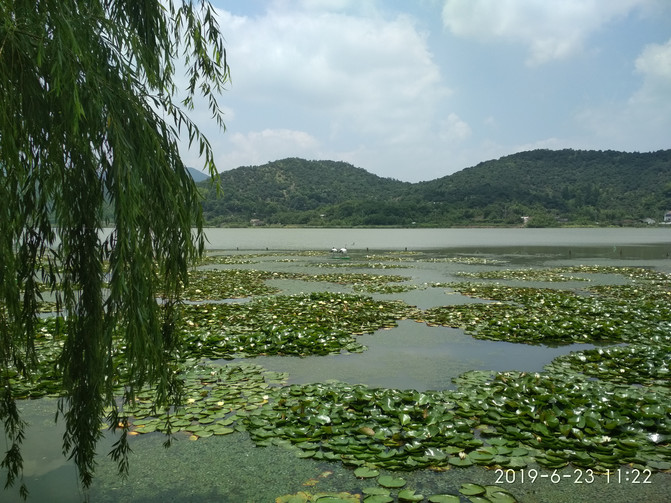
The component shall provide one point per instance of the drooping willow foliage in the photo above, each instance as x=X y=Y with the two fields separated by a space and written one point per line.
x=89 y=115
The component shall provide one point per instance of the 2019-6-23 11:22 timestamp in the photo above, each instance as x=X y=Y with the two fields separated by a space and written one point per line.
x=577 y=476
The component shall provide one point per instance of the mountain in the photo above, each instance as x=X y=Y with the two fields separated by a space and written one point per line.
x=198 y=176
x=552 y=187
x=292 y=191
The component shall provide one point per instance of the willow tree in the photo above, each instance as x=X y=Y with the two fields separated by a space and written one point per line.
x=90 y=113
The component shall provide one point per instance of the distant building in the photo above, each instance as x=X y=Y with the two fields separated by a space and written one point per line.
x=667 y=217
x=256 y=222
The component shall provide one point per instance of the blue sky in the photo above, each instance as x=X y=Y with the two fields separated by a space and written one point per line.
x=419 y=89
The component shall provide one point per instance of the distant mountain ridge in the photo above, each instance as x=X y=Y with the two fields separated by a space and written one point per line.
x=198 y=176
x=552 y=187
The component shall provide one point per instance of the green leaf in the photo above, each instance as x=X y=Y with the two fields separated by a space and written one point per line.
x=378 y=498
x=409 y=495
x=391 y=482
x=472 y=489
x=444 y=498
x=365 y=472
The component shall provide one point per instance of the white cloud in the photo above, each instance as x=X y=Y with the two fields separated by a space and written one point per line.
x=259 y=147
x=357 y=81
x=454 y=130
x=654 y=63
x=358 y=75
x=642 y=122
x=551 y=29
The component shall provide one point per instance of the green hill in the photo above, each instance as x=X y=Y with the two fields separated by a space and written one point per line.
x=570 y=187
x=292 y=191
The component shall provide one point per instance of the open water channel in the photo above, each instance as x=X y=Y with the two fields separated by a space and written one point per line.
x=411 y=356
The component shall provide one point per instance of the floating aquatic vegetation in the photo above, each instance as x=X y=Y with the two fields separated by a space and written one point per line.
x=395 y=256
x=227 y=284
x=236 y=283
x=306 y=324
x=489 y=493
x=362 y=426
x=505 y=419
x=47 y=307
x=545 y=275
x=569 y=418
x=583 y=411
x=553 y=316
x=468 y=260
x=366 y=472
x=386 y=288
x=633 y=273
x=314 y=324
x=216 y=397
x=632 y=364
x=362 y=265
x=444 y=498
x=45 y=378
x=379 y=283
x=649 y=294
x=391 y=482
x=227 y=259
x=321 y=497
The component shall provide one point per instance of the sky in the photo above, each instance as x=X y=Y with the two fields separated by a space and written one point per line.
x=418 y=89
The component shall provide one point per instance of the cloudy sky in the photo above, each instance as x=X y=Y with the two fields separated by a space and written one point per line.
x=419 y=89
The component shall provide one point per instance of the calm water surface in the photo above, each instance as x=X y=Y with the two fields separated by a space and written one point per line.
x=421 y=239
x=412 y=355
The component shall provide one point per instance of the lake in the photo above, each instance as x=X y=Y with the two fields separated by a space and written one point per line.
x=412 y=355
x=261 y=238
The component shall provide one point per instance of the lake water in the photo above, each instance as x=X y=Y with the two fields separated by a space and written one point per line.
x=412 y=355
x=262 y=238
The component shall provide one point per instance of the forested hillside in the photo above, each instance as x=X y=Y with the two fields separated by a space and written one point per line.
x=293 y=191
x=565 y=187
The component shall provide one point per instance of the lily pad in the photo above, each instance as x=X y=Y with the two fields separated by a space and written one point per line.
x=472 y=489
x=497 y=494
x=391 y=482
x=409 y=495
x=444 y=498
x=378 y=498
x=364 y=472
x=300 y=497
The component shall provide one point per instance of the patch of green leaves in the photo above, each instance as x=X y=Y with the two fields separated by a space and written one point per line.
x=215 y=397
x=552 y=316
x=633 y=364
x=306 y=324
x=227 y=284
x=551 y=419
